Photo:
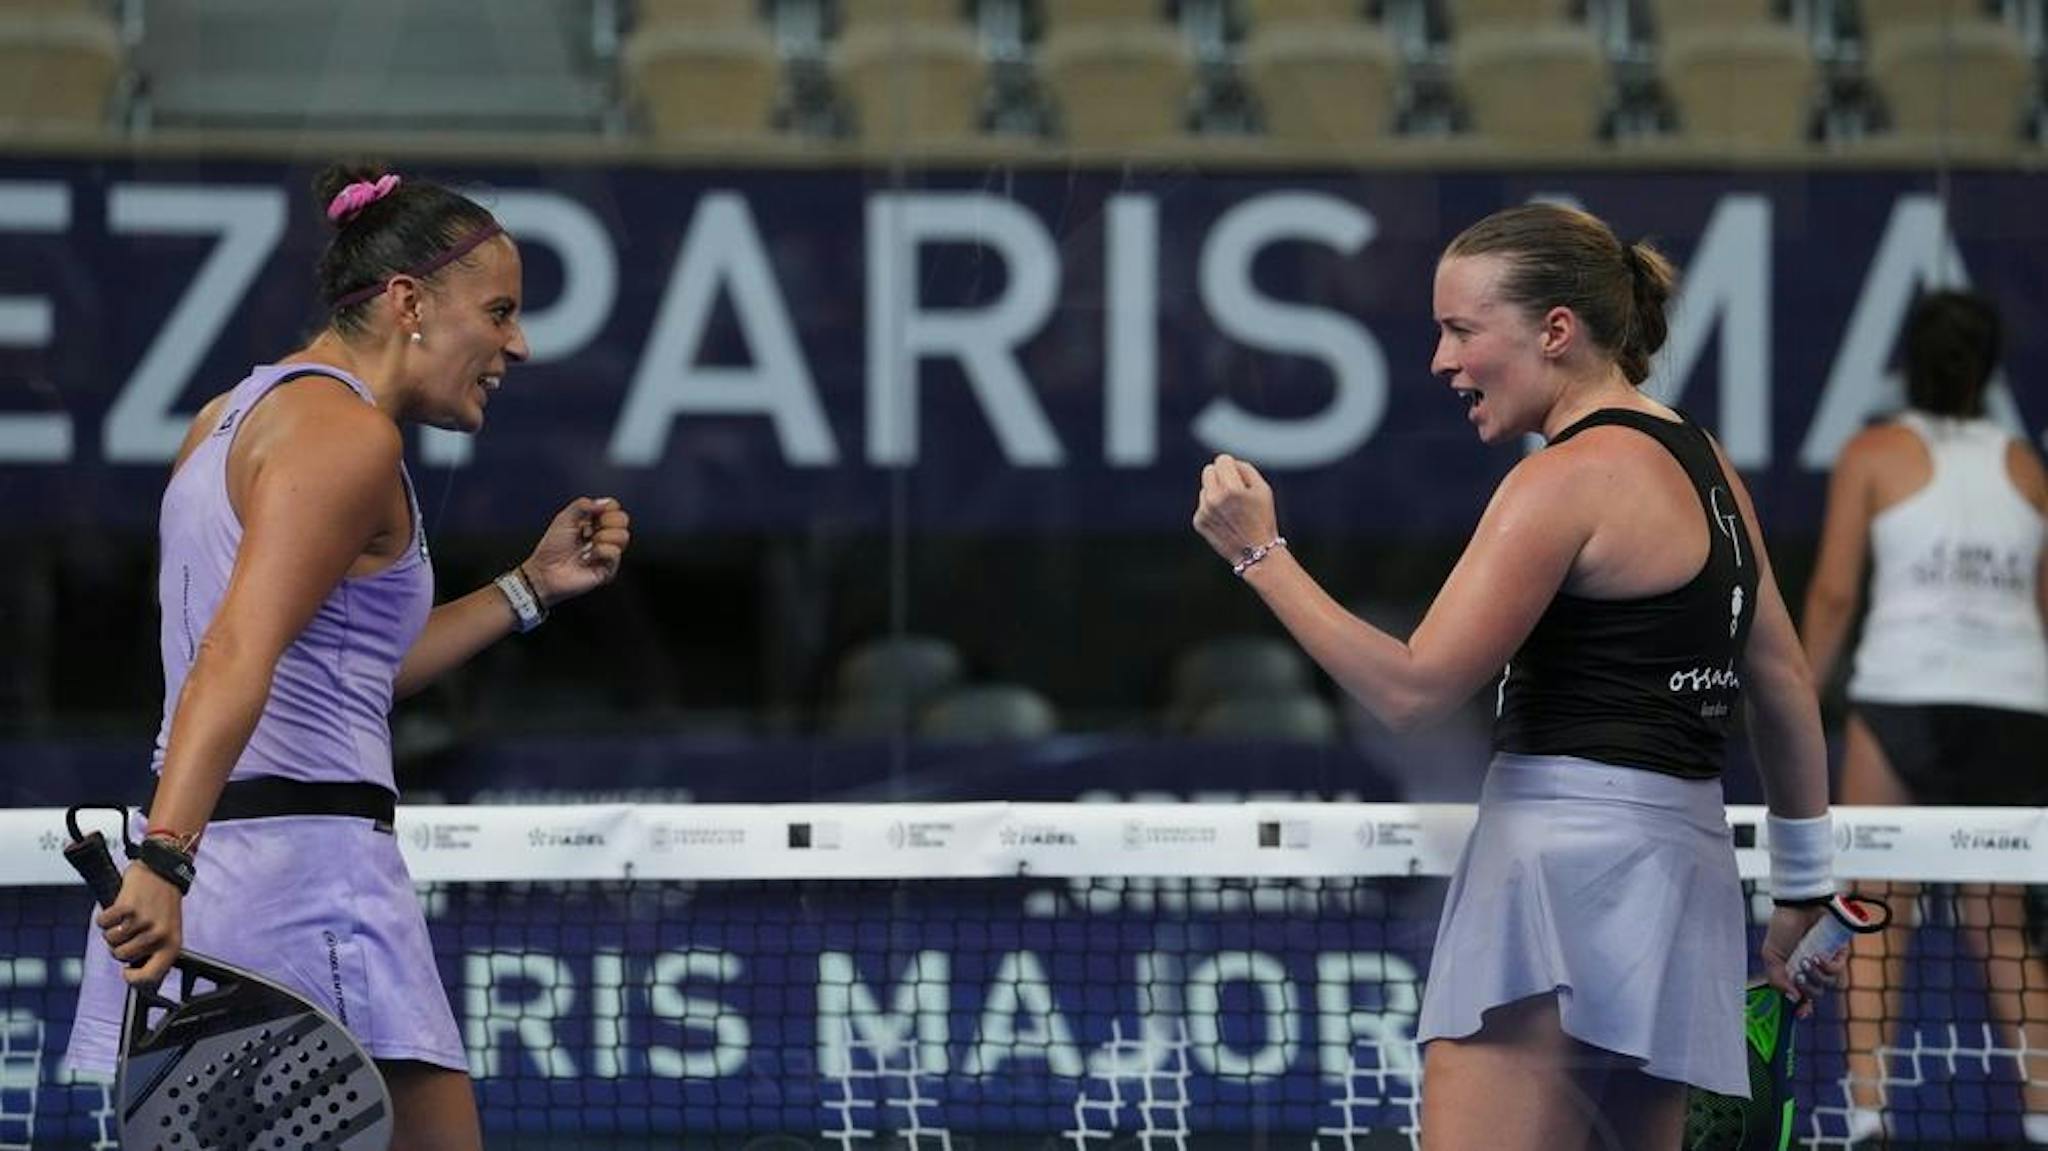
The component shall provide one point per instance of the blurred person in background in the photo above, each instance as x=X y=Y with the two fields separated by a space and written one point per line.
x=1589 y=964
x=297 y=602
x=1948 y=699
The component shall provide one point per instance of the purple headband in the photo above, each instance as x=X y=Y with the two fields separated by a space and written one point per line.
x=460 y=249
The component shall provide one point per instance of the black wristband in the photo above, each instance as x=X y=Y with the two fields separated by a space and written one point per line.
x=174 y=866
x=1809 y=901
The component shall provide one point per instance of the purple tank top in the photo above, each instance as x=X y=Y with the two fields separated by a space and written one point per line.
x=327 y=717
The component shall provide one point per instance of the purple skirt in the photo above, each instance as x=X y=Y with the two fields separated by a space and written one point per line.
x=321 y=904
x=1614 y=889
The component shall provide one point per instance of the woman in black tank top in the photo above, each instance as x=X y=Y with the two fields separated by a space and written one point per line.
x=1619 y=579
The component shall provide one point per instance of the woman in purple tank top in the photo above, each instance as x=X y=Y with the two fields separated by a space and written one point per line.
x=297 y=604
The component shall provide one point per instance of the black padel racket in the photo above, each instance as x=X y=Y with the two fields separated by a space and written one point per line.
x=233 y=1061
x=1764 y=1121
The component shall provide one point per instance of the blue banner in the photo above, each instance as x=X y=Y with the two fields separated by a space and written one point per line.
x=1020 y=1013
x=756 y=350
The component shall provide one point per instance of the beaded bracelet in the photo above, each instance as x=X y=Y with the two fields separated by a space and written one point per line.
x=1251 y=556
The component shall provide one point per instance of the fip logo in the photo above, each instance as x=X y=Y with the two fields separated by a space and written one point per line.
x=1963 y=839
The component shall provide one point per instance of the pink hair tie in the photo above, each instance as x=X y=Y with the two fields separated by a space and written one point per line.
x=359 y=195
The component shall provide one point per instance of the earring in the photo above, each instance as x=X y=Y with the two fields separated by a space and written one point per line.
x=416 y=338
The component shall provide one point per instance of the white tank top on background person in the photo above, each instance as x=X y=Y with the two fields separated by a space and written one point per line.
x=1954 y=611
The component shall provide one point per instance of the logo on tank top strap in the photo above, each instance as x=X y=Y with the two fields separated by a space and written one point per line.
x=1729 y=522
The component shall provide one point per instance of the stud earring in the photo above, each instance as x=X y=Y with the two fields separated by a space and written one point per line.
x=416 y=338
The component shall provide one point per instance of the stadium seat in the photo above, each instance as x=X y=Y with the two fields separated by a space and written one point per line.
x=1964 y=82
x=1067 y=15
x=1234 y=666
x=1329 y=85
x=1741 y=83
x=913 y=667
x=869 y=718
x=1118 y=85
x=403 y=66
x=1674 y=16
x=1327 y=13
x=1469 y=16
x=1880 y=18
x=1294 y=718
x=877 y=15
x=60 y=68
x=716 y=83
x=700 y=14
x=1500 y=71
x=911 y=83
x=993 y=712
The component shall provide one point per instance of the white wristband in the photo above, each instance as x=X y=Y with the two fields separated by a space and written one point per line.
x=526 y=605
x=1802 y=857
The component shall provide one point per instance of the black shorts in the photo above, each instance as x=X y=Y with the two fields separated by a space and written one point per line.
x=1962 y=756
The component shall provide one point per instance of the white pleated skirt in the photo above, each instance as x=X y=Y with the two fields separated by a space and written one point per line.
x=1614 y=888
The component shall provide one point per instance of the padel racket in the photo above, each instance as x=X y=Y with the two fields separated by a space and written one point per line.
x=1763 y=1122
x=233 y=1061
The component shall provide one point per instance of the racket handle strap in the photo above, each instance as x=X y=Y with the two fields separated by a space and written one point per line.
x=1848 y=917
x=90 y=857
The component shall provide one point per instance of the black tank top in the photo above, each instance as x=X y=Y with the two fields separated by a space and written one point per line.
x=1648 y=683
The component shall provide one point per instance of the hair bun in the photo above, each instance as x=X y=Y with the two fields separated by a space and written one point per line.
x=352 y=199
x=330 y=181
